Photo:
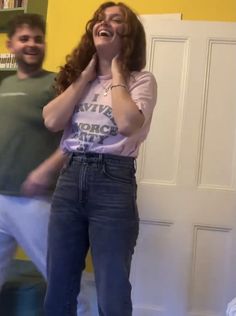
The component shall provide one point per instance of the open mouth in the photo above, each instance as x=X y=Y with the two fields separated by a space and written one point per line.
x=105 y=33
x=31 y=52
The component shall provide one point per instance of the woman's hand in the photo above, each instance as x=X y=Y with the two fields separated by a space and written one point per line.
x=58 y=112
x=118 y=75
x=126 y=113
x=89 y=73
x=116 y=68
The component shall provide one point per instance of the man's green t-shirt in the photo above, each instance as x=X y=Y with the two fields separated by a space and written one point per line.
x=24 y=140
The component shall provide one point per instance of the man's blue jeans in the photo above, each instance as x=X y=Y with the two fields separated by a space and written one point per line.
x=94 y=205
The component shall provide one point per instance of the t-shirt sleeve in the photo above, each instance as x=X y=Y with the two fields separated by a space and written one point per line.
x=51 y=89
x=143 y=90
x=49 y=86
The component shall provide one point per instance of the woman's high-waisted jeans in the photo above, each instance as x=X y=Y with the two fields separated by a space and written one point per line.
x=94 y=205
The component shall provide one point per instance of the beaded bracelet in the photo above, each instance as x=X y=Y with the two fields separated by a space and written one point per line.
x=118 y=85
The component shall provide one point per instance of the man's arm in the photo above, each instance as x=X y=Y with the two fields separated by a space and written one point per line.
x=40 y=180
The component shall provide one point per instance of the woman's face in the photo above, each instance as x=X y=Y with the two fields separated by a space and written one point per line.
x=107 y=31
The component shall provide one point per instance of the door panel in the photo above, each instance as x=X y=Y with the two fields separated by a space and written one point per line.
x=184 y=263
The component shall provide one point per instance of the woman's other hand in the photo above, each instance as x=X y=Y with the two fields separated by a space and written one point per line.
x=89 y=73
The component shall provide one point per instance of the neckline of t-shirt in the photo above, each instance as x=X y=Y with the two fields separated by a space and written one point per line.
x=39 y=74
x=104 y=77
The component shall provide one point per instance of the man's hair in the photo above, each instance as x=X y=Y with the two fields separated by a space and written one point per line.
x=32 y=20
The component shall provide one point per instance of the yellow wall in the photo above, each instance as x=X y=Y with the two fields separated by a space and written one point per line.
x=2 y=43
x=66 y=19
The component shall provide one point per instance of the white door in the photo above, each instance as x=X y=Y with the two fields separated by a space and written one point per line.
x=185 y=259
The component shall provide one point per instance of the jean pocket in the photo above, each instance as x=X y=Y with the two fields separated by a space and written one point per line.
x=119 y=173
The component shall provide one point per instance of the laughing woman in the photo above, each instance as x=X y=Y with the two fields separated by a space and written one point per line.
x=104 y=105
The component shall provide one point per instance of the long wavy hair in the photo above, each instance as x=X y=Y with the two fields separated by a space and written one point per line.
x=133 y=51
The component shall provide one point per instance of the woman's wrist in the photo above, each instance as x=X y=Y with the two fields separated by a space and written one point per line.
x=119 y=85
x=82 y=81
x=118 y=77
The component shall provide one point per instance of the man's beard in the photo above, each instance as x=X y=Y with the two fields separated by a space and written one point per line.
x=30 y=67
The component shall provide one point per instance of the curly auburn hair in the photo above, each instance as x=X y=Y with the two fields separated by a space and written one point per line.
x=133 y=52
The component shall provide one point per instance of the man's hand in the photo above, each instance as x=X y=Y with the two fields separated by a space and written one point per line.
x=38 y=182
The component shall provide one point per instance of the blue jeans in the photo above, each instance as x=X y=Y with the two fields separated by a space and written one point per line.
x=94 y=205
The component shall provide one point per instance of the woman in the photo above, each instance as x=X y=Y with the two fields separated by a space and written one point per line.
x=104 y=106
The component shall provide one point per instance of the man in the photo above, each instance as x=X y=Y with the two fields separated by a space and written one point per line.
x=29 y=158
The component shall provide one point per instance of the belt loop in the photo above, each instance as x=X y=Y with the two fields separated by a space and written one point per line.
x=70 y=158
x=100 y=158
